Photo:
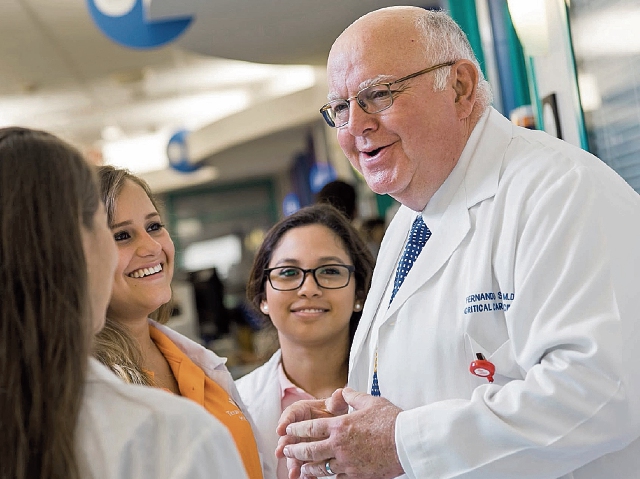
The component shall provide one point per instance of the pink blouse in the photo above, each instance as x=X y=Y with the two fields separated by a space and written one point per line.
x=289 y=393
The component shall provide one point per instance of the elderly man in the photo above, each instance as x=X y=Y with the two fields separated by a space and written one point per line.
x=509 y=350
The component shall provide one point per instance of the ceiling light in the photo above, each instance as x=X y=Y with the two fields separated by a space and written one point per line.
x=530 y=22
x=139 y=154
x=112 y=133
x=292 y=80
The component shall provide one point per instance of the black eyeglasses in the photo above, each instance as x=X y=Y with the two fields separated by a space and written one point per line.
x=373 y=99
x=327 y=276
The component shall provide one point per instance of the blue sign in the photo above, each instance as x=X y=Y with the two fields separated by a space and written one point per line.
x=319 y=175
x=178 y=153
x=290 y=204
x=131 y=29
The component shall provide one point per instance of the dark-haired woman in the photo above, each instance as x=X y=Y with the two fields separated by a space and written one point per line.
x=310 y=278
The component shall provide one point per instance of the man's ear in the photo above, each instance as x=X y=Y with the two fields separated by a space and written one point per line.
x=464 y=77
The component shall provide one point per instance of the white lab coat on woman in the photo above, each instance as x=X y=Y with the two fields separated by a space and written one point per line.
x=534 y=261
x=260 y=391
x=131 y=432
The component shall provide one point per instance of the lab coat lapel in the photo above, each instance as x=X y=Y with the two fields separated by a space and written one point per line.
x=452 y=229
x=386 y=262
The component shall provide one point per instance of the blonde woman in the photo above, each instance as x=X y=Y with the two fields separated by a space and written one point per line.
x=142 y=348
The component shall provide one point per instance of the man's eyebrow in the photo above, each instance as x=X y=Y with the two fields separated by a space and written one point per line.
x=365 y=84
x=374 y=81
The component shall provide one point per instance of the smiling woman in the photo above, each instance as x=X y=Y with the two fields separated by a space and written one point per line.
x=310 y=278
x=140 y=349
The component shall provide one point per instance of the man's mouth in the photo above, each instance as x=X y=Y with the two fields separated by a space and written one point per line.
x=142 y=272
x=372 y=152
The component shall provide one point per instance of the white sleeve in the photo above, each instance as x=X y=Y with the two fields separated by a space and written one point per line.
x=573 y=332
x=210 y=454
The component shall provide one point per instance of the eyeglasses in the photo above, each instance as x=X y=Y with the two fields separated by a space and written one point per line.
x=373 y=99
x=327 y=276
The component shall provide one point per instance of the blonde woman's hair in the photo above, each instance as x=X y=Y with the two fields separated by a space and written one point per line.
x=115 y=348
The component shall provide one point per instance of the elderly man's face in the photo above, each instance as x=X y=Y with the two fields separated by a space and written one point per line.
x=408 y=150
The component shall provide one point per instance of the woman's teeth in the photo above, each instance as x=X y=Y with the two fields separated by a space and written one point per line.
x=141 y=273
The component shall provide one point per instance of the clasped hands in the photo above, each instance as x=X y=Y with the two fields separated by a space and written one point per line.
x=319 y=437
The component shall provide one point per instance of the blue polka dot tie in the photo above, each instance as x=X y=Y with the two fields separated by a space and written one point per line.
x=418 y=237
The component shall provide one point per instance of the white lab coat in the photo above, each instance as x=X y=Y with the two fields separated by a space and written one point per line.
x=215 y=369
x=555 y=232
x=260 y=391
x=126 y=431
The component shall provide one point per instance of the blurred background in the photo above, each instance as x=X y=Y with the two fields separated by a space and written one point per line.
x=215 y=103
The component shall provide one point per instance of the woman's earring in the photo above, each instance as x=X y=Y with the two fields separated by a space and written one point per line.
x=357 y=307
x=265 y=308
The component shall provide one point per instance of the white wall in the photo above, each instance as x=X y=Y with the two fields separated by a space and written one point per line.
x=554 y=71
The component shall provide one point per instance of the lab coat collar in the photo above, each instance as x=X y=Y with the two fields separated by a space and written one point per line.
x=486 y=163
x=212 y=364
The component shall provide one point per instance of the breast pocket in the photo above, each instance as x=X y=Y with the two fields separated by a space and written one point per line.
x=502 y=358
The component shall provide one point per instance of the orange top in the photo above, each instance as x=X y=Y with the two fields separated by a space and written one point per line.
x=195 y=385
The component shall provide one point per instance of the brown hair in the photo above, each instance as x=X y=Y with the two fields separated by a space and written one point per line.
x=114 y=346
x=325 y=215
x=48 y=193
x=341 y=195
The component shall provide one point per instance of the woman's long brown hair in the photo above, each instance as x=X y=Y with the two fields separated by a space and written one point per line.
x=47 y=194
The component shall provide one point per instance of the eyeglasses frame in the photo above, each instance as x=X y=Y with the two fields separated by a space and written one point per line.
x=349 y=267
x=327 y=106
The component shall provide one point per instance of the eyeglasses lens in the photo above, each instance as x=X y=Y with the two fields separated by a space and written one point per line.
x=288 y=278
x=372 y=100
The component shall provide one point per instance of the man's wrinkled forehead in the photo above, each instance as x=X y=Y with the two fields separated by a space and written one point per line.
x=362 y=57
x=379 y=47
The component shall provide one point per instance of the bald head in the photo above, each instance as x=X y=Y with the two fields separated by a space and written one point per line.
x=384 y=32
x=386 y=15
x=431 y=37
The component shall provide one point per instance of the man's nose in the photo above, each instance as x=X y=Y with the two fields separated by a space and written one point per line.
x=359 y=120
